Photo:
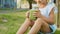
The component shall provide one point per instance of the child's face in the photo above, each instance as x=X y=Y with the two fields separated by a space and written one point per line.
x=41 y=1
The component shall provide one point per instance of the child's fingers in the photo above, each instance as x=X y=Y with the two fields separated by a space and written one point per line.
x=35 y=13
x=27 y=14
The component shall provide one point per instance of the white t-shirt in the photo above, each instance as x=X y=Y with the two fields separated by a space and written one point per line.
x=46 y=10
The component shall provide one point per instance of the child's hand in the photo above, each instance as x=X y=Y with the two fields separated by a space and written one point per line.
x=37 y=14
x=27 y=14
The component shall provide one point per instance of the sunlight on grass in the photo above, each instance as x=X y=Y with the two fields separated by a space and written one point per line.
x=13 y=22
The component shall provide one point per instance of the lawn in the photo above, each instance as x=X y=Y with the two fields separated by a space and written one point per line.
x=10 y=22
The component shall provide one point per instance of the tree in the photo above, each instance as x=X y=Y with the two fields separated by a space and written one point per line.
x=58 y=3
x=30 y=3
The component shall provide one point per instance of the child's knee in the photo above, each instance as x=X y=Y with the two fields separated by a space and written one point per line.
x=39 y=21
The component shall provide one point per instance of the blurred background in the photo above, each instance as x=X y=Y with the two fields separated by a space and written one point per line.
x=12 y=15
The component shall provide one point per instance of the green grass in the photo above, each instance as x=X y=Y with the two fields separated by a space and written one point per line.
x=14 y=21
x=57 y=32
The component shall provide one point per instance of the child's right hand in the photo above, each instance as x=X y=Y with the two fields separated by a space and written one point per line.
x=27 y=14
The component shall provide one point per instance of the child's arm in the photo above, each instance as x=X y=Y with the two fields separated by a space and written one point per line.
x=49 y=20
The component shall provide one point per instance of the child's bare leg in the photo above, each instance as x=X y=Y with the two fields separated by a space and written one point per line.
x=39 y=24
x=36 y=27
x=24 y=27
x=45 y=27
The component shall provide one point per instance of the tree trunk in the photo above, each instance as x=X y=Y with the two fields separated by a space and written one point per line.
x=58 y=24
x=30 y=5
x=55 y=1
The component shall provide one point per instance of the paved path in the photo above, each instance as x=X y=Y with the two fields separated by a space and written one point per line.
x=8 y=11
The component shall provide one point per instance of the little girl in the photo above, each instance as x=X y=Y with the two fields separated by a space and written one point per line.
x=44 y=22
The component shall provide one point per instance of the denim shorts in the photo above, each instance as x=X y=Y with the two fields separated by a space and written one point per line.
x=52 y=27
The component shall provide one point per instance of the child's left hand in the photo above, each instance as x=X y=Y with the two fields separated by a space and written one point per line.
x=37 y=14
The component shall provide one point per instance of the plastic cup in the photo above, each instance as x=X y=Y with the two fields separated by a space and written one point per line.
x=31 y=15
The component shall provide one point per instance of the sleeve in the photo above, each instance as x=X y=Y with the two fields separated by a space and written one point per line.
x=52 y=6
x=55 y=9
